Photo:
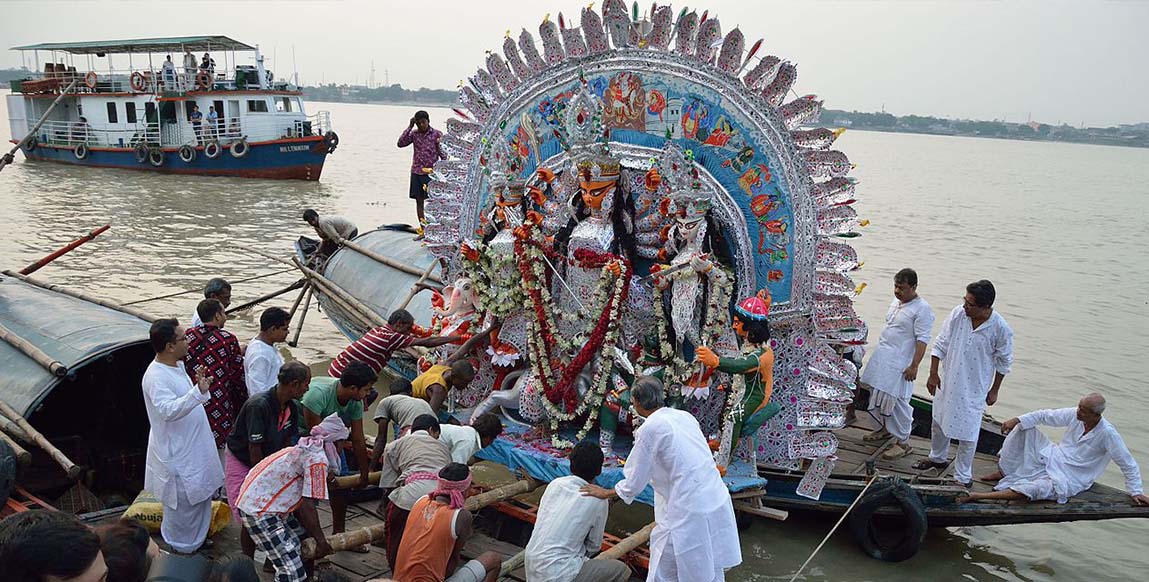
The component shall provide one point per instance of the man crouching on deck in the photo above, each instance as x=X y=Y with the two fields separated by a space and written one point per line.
x=1034 y=468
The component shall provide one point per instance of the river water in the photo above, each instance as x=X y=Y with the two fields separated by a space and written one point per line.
x=1058 y=228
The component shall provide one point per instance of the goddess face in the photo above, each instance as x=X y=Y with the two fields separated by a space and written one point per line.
x=598 y=195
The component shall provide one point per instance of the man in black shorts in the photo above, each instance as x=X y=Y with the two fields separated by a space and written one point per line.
x=427 y=151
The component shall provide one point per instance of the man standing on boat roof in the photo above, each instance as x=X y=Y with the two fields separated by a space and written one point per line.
x=894 y=365
x=427 y=151
x=1033 y=467
x=182 y=468
x=977 y=346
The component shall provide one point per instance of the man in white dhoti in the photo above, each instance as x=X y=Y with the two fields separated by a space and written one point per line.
x=1033 y=467
x=977 y=346
x=695 y=538
x=893 y=367
x=183 y=469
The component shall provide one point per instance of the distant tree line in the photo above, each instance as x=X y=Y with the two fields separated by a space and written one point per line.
x=392 y=94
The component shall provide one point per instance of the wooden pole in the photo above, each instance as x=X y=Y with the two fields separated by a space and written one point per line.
x=273 y=295
x=512 y=563
x=73 y=470
x=346 y=540
x=415 y=286
x=390 y=262
x=375 y=533
x=625 y=545
x=302 y=316
x=348 y=481
x=22 y=455
x=477 y=502
x=63 y=250
x=83 y=296
x=299 y=299
x=53 y=366
x=8 y=158
x=14 y=430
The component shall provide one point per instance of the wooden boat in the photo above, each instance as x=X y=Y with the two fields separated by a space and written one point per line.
x=858 y=460
x=133 y=112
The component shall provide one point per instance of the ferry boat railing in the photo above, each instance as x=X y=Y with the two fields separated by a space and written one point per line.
x=73 y=133
x=151 y=80
x=226 y=130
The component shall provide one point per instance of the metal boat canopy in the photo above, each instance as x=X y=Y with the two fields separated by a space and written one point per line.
x=73 y=331
x=141 y=45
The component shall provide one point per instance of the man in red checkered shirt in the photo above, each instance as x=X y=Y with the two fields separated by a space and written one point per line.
x=218 y=351
x=376 y=346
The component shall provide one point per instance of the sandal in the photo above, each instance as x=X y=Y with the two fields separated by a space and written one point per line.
x=926 y=463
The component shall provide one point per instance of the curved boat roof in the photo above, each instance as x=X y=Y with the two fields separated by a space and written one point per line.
x=142 y=45
x=70 y=330
x=380 y=287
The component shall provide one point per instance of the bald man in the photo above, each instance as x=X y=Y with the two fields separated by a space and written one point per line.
x=1034 y=468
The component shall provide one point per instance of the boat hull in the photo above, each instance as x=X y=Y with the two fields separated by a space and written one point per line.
x=288 y=159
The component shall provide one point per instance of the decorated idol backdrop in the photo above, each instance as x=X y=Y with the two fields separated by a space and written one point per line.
x=689 y=138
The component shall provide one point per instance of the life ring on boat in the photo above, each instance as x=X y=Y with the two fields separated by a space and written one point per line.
x=240 y=148
x=212 y=150
x=138 y=82
x=141 y=152
x=332 y=141
x=187 y=154
x=202 y=81
x=884 y=537
x=8 y=466
x=91 y=79
x=156 y=157
x=80 y=151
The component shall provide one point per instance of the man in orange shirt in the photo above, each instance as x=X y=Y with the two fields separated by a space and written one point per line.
x=436 y=532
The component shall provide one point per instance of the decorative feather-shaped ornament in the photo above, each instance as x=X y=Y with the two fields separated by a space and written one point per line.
x=552 y=45
x=511 y=52
x=730 y=58
x=685 y=34
x=592 y=29
x=815 y=139
x=660 y=28
x=775 y=93
x=827 y=164
x=498 y=69
x=531 y=52
x=573 y=42
x=750 y=56
x=709 y=39
x=763 y=72
x=801 y=111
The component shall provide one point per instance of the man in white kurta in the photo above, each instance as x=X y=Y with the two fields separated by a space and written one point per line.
x=1033 y=467
x=893 y=366
x=695 y=538
x=976 y=346
x=182 y=469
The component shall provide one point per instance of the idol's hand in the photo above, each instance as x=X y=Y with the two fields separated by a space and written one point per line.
x=706 y=357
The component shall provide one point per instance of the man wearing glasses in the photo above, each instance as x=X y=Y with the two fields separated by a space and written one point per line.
x=977 y=346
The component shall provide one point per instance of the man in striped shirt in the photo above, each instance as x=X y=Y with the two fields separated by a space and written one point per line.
x=376 y=346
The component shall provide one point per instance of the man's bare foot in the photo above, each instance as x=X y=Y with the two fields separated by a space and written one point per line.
x=995 y=476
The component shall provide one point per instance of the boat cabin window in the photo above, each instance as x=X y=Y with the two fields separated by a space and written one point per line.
x=130 y=112
x=284 y=105
x=256 y=106
x=113 y=117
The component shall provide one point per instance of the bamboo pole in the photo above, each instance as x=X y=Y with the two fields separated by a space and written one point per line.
x=22 y=455
x=390 y=262
x=73 y=470
x=299 y=299
x=349 y=481
x=269 y=296
x=14 y=430
x=64 y=250
x=34 y=353
x=9 y=157
x=415 y=286
x=83 y=296
x=346 y=540
x=375 y=533
x=302 y=316
x=477 y=502
x=512 y=563
x=625 y=545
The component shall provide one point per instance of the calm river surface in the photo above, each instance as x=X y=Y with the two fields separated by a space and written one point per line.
x=1059 y=228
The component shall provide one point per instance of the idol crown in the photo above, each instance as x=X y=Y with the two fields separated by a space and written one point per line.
x=587 y=138
x=690 y=196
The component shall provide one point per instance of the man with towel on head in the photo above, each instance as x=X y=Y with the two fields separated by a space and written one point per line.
x=410 y=468
x=277 y=499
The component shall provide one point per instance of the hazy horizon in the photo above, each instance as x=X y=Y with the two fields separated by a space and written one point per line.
x=1050 y=61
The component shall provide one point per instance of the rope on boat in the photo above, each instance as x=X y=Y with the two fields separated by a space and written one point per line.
x=835 y=528
x=170 y=295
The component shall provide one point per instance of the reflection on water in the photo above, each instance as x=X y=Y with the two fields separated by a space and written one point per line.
x=1053 y=225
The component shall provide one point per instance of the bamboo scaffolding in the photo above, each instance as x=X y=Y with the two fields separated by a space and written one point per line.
x=627 y=544
x=302 y=315
x=22 y=455
x=73 y=470
x=52 y=365
x=83 y=296
x=296 y=285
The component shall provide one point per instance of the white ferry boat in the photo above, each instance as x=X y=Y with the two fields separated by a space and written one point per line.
x=212 y=109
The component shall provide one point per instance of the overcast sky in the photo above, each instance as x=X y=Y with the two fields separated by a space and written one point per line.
x=1067 y=61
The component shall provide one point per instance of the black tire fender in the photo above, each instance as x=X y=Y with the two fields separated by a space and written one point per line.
x=240 y=148
x=156 y=157
x=80 y=151
x=142 y=153
x=332 y=140
x=31 y=144
x=894 y=492
x=187 y=154
x=212 y=150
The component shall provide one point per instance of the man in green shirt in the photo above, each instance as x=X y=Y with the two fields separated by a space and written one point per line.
x=343 y=396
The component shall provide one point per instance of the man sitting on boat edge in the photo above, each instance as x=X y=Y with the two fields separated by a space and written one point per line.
x=1034 y=468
